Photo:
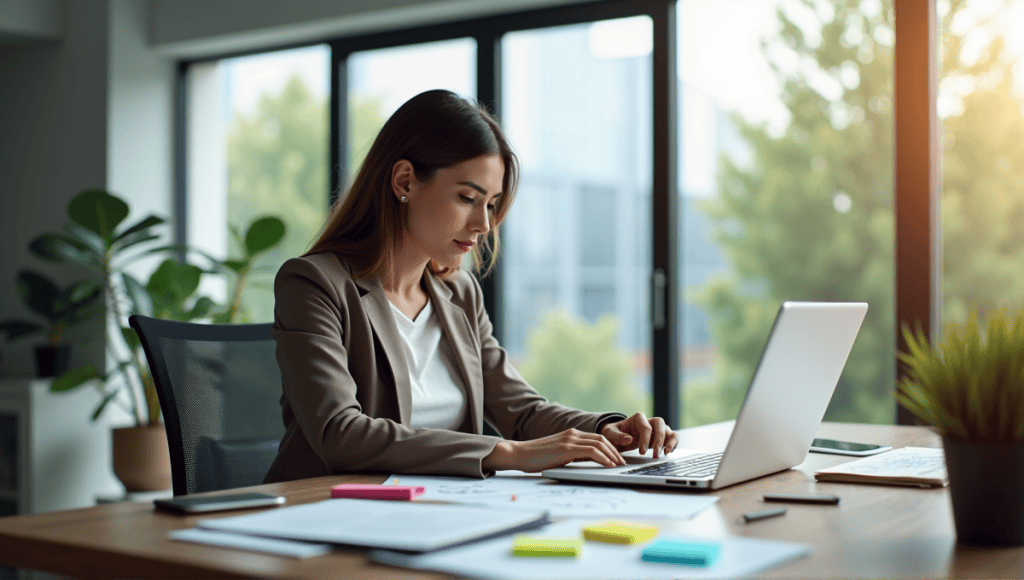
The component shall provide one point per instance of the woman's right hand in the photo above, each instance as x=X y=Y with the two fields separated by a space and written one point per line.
x=553 y=451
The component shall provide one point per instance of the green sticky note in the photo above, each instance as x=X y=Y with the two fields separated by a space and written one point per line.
x=545 y=546
x=619 y=532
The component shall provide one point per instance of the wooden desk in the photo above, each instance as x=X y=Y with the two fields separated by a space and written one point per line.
x=876 y=531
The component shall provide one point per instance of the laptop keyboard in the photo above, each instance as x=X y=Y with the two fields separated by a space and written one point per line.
x=696 y=466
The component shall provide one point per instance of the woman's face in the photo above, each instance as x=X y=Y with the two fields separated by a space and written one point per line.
x=449 y=214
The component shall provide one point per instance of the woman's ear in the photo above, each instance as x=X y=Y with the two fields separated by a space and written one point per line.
x=402 y=178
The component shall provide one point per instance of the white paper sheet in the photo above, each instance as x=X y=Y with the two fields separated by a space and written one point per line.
x=493 y=559
x=396 y=525
x=561 y=500
x=289 y=548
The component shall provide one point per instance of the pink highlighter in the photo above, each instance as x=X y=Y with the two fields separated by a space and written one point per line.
x=359 y=491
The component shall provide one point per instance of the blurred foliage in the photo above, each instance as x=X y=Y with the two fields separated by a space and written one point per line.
x=579 y=364
x=277 y=164
x=982 y=204
x=812 y=217
x=366 y=121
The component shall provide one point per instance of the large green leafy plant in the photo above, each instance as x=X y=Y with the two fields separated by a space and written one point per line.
x=970 y=385
x=95 y=238
x=58 y=308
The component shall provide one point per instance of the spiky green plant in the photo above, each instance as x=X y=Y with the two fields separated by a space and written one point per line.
x=971 y=385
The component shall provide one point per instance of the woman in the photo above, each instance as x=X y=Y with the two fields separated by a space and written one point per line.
x=386 y=353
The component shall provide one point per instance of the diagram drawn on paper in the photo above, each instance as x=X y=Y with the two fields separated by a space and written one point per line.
x=559 y=499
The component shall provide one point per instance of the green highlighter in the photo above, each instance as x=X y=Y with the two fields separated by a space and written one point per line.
x=683 y=552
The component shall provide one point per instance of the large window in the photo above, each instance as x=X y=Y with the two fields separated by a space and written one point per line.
x=379 y=81
x=257 y=146
x=704 y=159
x=786 y=136
x=577 y=256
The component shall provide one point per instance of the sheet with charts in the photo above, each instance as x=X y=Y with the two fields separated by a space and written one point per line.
x=739 y=557
x=523 y=491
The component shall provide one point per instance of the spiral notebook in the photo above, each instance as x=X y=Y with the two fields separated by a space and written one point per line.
x=916 y=466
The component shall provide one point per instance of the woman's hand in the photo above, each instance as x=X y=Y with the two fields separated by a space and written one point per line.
x=638 y=432
x=553 y=451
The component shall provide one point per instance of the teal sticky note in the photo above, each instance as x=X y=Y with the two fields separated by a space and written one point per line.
x=683 y=552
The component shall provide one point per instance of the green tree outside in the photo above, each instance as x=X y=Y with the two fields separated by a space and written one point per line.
x=982 y=203
x=812 y=217
x=579 y=364
x=277 y=165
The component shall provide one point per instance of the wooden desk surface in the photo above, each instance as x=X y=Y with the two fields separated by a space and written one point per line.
x=876 y=531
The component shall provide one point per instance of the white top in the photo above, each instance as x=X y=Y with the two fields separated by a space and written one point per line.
x=437 y=401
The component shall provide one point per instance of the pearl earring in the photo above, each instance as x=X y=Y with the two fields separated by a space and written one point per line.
x=403 y=199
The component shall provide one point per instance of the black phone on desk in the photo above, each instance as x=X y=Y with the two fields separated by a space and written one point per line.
x=847 y=447
x=217 y=503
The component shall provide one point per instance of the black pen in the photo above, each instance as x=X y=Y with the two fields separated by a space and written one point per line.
x=760 y=515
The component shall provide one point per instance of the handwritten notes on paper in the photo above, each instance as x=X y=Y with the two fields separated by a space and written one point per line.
x=514 y=490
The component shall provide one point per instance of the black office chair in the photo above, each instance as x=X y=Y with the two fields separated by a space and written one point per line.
x=219 y=389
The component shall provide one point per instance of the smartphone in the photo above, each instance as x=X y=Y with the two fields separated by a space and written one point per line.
x=847 y=447
x=216 y=503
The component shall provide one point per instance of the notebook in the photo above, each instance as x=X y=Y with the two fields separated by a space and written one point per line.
x=792 y=385
x=916 y=466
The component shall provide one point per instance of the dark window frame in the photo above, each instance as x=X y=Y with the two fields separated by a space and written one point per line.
x=916 y=173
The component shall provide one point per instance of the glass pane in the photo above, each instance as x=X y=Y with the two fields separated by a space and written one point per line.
x=576 y=246
x=379 y=81
x=786 y=190
x=257 y=146
x=981 y=110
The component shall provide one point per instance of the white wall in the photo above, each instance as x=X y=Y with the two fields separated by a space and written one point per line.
x=53 y=144
x=140 y=107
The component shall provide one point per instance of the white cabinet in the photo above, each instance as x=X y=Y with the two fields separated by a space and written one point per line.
x=51 y=456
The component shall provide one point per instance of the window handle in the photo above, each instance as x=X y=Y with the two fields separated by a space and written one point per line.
x=658 y=283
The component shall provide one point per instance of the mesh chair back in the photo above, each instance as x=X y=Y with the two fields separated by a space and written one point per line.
x=219 y=388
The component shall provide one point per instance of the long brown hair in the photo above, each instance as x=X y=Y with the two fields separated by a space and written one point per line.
x=433 y=130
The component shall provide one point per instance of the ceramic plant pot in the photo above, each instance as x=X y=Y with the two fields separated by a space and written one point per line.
x=986 y=488
x=141 y=458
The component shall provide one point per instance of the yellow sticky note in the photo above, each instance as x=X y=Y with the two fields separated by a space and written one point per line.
x=619 y=532
x=543 y=546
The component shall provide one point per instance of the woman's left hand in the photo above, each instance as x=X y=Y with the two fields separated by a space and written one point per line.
x=639 y=432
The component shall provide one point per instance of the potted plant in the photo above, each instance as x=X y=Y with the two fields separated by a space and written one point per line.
x=262 y=235
x=60 y=309
x=970 y=387
x=94 y=238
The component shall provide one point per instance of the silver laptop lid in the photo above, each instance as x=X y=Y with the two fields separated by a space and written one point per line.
x=791 y=388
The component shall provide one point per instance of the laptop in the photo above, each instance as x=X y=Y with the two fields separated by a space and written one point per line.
x=785 y=403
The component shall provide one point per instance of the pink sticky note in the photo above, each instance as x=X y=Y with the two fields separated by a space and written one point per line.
x=362 y=491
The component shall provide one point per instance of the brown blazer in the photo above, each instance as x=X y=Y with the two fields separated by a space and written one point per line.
x=347 y=397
